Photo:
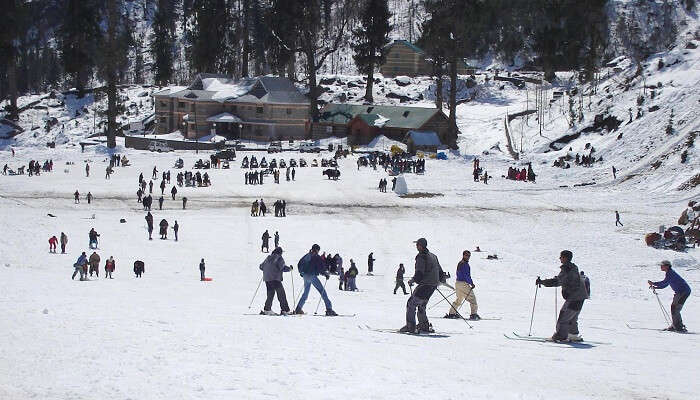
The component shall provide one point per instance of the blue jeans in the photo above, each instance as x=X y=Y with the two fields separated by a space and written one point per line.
x=313 y=280
x=351 y=283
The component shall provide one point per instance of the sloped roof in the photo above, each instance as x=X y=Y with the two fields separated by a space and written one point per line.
x=224 y=117
x=405 y=43
x=391 y=116
x=424 y=138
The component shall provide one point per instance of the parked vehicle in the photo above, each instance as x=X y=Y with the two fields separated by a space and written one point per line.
x=333 y=163
x=225 y=165
x=253 y=162
x=159 y=147
x=309 y=147
x=244 y=163
x=226 y=154
x=179 y=163
x=200 y=164
x=275 y=147
x=314 y=163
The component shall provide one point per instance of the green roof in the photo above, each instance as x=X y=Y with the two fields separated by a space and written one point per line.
x=398 y=116
x=407 y=43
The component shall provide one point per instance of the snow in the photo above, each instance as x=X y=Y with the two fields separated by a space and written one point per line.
x=168 y=335
x=383 y=143
x=380 y=121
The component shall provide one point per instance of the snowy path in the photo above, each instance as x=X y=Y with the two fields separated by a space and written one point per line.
x=170 y=336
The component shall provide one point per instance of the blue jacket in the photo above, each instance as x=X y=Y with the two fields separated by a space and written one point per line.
x=677 y=283
x=82 y=260
x=464 y=272
x=311 y=264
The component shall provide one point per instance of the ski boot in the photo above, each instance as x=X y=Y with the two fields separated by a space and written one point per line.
x=671 y=329
x=574 y=337
x=267 y=312
x=474 y=317
x=425 y=327
x=556 y=339
x=408 y=329
x=331 y=313
x=298 y=311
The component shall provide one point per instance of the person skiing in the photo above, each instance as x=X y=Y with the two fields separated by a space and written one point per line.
x=681 y=291
x=265 y=242
x=617 y=218
x=150 y=187
x=76 y=197
x=464 y=286
x=64 y=242
x=87 y=170
x=201 y=270
x=155 y=173
x=79 y=265
x=149 y=222
x=310 y=267
x=277 y=239
x=89 y=197
x=160 y=202
x=263 y=207
x=173 y=191
x=573 y=289
x=399 y=279
x=92 y=235
x=370 y=263
x=139 y=268
x=352 y=273
x=184 y=201
x=163 y=229
x=273 y=268
x=53 y=241
x=162 y=187
x=109 y=267
x=428 y=275
x=94 y=261
x=176 y=227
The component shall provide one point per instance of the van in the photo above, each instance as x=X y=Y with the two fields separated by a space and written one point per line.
x=275 y=147
x=309 y=147
x=159 y=147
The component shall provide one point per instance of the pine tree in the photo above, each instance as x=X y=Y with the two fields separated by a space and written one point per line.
x=14 y=14
x=370 y=39
x=79 y=36
x=163 y=43
x=210 y=21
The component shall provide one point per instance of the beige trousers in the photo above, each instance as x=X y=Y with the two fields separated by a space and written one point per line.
x=464 y=292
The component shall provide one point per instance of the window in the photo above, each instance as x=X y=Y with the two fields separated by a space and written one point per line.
x=234 y=109
x=289 y=111
x=163 y=104
x=192 y=107
x=258 y=110
x=180 y=104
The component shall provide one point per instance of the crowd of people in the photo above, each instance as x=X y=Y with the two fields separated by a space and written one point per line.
x=525 y=174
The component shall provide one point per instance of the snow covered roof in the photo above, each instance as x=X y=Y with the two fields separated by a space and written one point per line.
x=264 y=89
x=424 y=138
x=224 y=117
x=380 y=116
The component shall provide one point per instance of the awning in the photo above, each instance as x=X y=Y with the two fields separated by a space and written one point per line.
x=224 y=117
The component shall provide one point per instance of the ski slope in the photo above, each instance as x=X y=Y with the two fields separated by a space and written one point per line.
x=170 y=336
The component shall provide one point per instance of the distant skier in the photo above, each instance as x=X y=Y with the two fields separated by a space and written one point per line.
x=265 y=242
x=263 y=207
x=139 y=193
x=202 y=266
x=428 y=276
x=370 y=263
x=273 y=268
x=149 y=222
x=76 y=197
x=160 y=202
x=277 y=239
x=93 y=235
x=94 y=261
x=155 y=173
x=681 y=291
x=139 y=268
x=150 y=187
x=163 y=229
x=109 y=267
x=89 y=197
x=573 y=289
x=399 y=279
x=53 y=241
x=64 y=242
x=162 y=187
x=184 y=201
x=310 y=267
x=80 y=266
x=87 y=170
x=351 y=279
x=614 y=171
x=294 y=172
x=173 y=192
x=617 y=219
x=464 y=286
x=176 y=228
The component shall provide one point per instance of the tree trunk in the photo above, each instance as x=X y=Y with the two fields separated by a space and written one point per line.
x=112 y=112
x=12 y=87
x=370 y=83
x=291 y=70
x=310 y=52
x=438 y=91
x=246 y=39
x=452 y=128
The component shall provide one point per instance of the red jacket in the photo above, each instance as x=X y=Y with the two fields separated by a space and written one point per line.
x=53 y=241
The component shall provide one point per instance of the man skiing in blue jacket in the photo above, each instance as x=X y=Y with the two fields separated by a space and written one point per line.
x=310 y=267
x=681 y=291
x=464 y=288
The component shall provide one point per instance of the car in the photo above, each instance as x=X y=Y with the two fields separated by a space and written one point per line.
x=275 y=147
x=226 y=154
x=309 y=147
x=292 y=162
x=159 y=147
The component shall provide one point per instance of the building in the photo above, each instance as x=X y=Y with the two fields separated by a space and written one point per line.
x=261 y=108
x=362 y=123
x=406 y=59
x=423 y=141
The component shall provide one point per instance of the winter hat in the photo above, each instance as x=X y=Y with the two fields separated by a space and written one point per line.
x=277 y=250
x=665 y=262
x=315 y=247
x=422 y=241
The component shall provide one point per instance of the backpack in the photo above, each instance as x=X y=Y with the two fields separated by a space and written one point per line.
x=304 y=264
x=587 y=284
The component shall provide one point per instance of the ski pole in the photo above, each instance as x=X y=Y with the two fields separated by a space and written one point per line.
x=294 y=301
x=663 y=309
x=458 y=314
x=449 y=295
x=255 y=294
x=319 y=299
x=556 y=306
x=532 y=316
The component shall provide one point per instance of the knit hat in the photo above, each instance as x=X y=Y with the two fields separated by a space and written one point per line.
x=665 y=262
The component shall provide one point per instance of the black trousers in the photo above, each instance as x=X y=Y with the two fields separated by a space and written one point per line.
x=272 y=288
x=400 y=284
x=676 y=307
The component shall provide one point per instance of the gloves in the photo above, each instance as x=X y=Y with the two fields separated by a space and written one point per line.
x=291 y=267
x=327 y=275
x=538 y=282
x=411 y=282
x=651 y=284
x=473 y=286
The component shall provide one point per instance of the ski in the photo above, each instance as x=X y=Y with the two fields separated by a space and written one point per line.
x=339 y=315
x=471 y=320
x=391 y=330
x=657 y=330
x=549 y=340
x=273 y=315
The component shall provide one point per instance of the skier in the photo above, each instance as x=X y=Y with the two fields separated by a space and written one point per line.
x=79 y=264
x=108 y=172
x=277 y=239
x=139 y=193
x=294 y=172
x=76 y=197
x=176 y=227
x=201 y=270
x=53 y=241
x=351 y=284
x=614 y=171
x=87 y=170
x=310 y=267
x=370 y=263
x=573 y=289
x=160 y=202
x=184 y=201
x=265 y=242
x=92 y=235
x=64 y=242
x=399 y=279
x=173 y=191
x=155 y=173
x=162 y=187
x=139 y=268
x=617 y=219
x=149 y=221
x=109 y=267
x=428 y=276
x=464 y=288
x=89 y=197
x=150 y=187
x=284 y=208
x=273 y=268
x=163 y=229
x=94 y=261
x=681 y=291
